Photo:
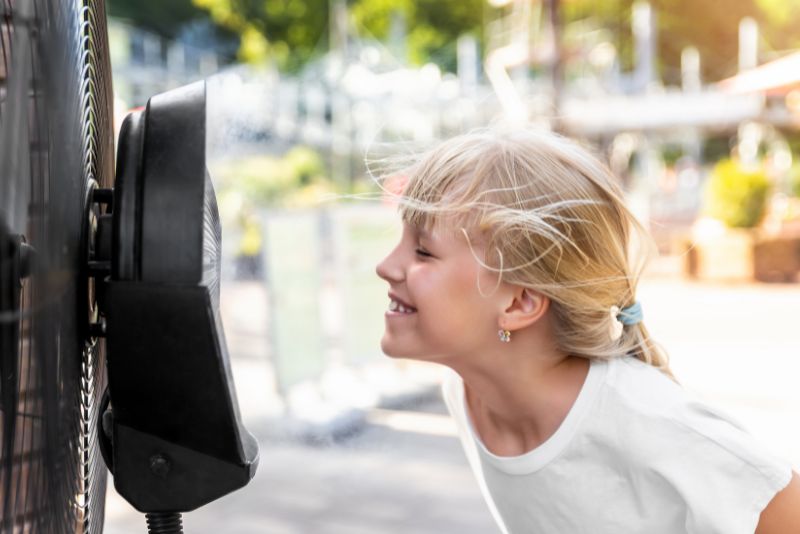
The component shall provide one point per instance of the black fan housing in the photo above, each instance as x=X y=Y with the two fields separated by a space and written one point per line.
x=173 y=436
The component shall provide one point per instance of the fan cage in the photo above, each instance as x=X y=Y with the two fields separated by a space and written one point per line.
x=52 y=476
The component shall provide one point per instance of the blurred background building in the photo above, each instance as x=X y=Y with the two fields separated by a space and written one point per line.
x=695 y=105
x=663 y=96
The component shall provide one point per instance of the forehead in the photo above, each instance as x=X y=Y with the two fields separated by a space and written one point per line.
x=444 y=234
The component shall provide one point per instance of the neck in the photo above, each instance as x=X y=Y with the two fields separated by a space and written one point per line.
x=519 y=393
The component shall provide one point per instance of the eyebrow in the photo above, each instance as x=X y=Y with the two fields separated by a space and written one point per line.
x=427 y=235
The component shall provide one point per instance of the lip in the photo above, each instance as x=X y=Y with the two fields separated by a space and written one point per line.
x=389 y=314
x=405 y=304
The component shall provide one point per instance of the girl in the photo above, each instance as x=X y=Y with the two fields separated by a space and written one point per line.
x=517 y=269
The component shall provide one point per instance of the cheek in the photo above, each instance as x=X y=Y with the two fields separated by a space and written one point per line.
x=440 y=288
x=451 y=299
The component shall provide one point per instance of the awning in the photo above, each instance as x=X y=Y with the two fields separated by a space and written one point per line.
x=777 y=77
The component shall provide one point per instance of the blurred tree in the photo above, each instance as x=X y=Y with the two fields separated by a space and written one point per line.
x=612 y=14
x=287 y=31
x=296 y=178
x=782 y=20
x=165 y=18
x=293 y=31
x=178 y=20
x=431 y=27
x=712 y=26
x=709 y=25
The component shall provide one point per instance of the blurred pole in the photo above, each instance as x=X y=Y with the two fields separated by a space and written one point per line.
x=690 y=70
x=644 y=35
x=556 y=62
x=748 y=44
x=176 y=63
x=338 y=29
x=750 y=134
x=647 y=171
x=508 y=49
x=398 y=37
x=468 y=65
x=691 y=82
x=339 y=101
x=341 y=145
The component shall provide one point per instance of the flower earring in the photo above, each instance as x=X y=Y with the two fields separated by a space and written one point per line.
x=504 y=335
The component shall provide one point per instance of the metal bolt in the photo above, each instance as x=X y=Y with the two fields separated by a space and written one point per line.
x=26 y=256
x=160 y=465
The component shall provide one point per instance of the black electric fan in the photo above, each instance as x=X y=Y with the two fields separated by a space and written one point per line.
x=56 y=145
x=110 y=334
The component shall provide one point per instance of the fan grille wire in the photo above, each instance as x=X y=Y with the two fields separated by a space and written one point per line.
x=52 y=477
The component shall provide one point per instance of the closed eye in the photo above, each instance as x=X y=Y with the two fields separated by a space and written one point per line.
x=424 y=253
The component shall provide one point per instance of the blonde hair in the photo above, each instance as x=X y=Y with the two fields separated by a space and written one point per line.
x=552 y=218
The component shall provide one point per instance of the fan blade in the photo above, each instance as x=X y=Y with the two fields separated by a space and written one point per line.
x=14 y=137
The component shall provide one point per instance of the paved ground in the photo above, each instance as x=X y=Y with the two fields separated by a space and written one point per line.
x=739 y=346
x=390 y=478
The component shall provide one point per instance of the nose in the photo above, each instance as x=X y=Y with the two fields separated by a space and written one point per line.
x=389 y=268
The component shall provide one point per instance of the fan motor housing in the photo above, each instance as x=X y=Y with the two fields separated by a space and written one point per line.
x=176 y=437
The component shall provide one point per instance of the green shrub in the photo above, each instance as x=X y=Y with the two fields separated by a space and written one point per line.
x=671 y=154
x=737 y=196
x=297 y=178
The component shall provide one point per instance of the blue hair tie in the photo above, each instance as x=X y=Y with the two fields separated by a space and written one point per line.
x=631 y=315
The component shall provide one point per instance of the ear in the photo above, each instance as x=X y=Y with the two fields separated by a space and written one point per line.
x=527 y=307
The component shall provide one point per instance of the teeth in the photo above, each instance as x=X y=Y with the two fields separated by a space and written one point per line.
x=396 y=306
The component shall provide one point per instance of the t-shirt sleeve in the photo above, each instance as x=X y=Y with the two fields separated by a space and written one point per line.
x=723 y=474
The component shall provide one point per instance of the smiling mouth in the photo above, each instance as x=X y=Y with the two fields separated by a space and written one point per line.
x=397 y=307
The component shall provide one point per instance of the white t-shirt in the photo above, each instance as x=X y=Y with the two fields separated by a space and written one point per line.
x=635 y=454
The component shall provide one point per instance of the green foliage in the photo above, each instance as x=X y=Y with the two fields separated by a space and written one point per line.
x=293 y=32
x=297 y=178
x=162 y=17
x=794 y=181
x=780 y=20
x=671 y=154
x=612 y=14
x=290 y=32
x=432 y=26
x=737 y=196
x=716 y=147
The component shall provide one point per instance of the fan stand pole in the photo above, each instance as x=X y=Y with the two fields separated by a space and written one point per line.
x=164 y=523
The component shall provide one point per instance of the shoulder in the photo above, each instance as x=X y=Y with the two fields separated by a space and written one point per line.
x=690 y=449
x=638 y=409
x=643 y=388
x=651 y=398
x=676 y=418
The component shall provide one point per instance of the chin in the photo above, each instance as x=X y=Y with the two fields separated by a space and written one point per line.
x=395 y=352
x=392 y=351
